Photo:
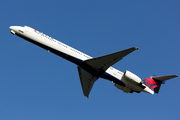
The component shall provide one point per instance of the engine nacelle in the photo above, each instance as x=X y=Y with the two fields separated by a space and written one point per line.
x=131 y=77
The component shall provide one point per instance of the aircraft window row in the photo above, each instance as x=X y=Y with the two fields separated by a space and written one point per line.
x=50 y=38
x=120 y=72
x=73 y=50
x=80 y=53
x=42 y=34
x=76 y=51
x=46 y=36
x=61 y=44
x=111 y=68
x=64 y=45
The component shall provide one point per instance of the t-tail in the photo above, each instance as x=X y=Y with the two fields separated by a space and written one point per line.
x=155 y=82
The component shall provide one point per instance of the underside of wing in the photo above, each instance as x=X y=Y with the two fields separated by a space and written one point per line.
x=87 y=81
x=104 y=62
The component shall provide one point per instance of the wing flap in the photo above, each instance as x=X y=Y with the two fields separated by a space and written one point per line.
x=104 y=62
x=87 y=81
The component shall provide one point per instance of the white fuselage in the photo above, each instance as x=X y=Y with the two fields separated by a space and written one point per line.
x=73 y=55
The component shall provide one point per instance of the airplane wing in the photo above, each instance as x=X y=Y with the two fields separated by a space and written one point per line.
x=87 y=81
x=104 y=62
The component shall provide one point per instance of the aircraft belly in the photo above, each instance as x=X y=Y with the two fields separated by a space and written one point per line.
x=110 y=77
x=133 y=86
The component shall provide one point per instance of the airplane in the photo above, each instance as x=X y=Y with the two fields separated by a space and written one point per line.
x=90 y=69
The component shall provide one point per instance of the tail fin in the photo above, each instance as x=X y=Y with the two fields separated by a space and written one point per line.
x=156 y=81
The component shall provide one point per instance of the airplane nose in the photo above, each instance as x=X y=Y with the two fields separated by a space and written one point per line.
x=12 y=29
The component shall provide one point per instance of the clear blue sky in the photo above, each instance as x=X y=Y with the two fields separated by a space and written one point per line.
x=38 y=85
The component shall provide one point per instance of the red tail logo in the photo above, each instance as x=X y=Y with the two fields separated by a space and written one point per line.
x=151 y=83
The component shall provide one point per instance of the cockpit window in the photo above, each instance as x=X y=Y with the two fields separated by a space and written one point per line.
x=23 y=26
x=21 y=31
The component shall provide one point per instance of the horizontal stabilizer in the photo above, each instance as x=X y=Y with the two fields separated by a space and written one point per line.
x=163 y=78
x=156 y=81
x=104 y=62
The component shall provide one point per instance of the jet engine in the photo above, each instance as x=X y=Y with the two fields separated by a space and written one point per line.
x=131 y=77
